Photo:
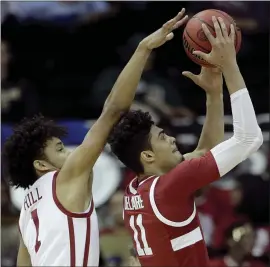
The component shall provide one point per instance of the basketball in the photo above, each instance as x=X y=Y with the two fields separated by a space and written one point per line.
x=195 y=39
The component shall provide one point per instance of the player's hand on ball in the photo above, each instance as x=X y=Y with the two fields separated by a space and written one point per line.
x=210 y=79
x=165 y=33
x=223 y=48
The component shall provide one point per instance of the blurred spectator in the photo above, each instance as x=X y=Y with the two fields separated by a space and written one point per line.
x=155 y=92
x=60 y=12
x=240 y=238
x=210 y=202
x=114 y=252
x=9 y=228
x=18 y=98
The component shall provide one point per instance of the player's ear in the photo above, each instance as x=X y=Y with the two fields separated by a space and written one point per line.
x=40 y=165
x=147 y=156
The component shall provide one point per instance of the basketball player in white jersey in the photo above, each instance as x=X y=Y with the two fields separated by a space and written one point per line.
x=58 y=223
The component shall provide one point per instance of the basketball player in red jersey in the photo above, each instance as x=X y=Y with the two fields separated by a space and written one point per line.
x=159 y=209
x=58 y=223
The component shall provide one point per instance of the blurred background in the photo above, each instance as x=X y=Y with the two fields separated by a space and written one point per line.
x=62 y=59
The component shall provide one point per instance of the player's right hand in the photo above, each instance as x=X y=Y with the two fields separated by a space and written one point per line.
x=165 y=33
x=223 y=47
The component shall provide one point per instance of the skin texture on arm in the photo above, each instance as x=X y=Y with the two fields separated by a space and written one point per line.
x=23 y=258
x=213 y=129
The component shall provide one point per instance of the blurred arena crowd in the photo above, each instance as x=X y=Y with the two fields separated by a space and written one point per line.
x=62 y=59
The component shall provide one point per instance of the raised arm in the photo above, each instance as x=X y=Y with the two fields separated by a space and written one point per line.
x=82 y=159
x=210 y=79
x=247 y=137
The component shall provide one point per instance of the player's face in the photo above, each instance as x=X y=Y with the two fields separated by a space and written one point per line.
x=165 y=152
x=55 y=156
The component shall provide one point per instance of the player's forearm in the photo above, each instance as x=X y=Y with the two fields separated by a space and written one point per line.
x=124 y=89
x=213 y=128
x=233 y=78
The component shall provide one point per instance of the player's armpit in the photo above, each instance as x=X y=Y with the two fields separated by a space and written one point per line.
x=189 y=176
x=23 y=258
x=195 y=154
x=81 y=161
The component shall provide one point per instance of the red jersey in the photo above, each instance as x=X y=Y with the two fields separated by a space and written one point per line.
x=161 y=216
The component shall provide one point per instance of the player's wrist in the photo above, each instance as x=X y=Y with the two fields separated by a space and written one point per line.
x=216 y=94
x=230 y=66
x=143 y=47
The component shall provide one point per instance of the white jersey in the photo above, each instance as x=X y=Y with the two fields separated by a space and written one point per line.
x=53 y=235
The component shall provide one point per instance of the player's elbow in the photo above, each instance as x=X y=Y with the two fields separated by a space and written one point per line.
x=259 y=139
x=251 y=142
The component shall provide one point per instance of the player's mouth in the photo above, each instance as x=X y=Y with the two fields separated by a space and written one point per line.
x=175 y=150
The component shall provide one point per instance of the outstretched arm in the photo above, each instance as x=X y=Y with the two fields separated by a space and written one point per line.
x=213 y=129
x=81 y=161
x=247 y=137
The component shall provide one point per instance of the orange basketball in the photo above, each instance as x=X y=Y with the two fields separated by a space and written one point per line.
x=195 y=39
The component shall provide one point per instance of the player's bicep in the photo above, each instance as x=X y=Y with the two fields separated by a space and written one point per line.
x=23 y=258
x=191 y=175
x=83 y=158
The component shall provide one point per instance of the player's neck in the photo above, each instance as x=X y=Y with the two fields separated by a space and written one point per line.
x=148 y=173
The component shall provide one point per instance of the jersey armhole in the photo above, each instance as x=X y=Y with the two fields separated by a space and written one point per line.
x=160 y=216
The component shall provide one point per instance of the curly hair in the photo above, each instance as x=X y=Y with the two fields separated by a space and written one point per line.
x=130 y=137
x=25 y=145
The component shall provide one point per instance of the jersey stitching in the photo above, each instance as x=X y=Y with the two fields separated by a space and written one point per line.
x=161 y=217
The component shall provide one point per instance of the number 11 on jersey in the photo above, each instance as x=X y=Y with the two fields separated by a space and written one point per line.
x=146 y=250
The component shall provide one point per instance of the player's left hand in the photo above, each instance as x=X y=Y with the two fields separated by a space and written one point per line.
x=210 y=79
x=165 y=33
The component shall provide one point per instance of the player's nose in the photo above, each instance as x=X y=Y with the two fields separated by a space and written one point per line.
x=172 y=140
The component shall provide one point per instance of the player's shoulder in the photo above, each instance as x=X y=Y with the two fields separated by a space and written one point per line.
x=139 y=186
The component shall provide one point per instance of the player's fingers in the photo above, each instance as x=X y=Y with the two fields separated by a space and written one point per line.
x=180 y=22
x=180 y=14
x=232 y=34
x=223 y=28
x=169 y=26
x=217 y=28
x=190 y=75
x=200 y=54
x=208 y=34
x=169 y=36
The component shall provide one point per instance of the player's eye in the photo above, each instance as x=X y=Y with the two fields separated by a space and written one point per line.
x=60 y=149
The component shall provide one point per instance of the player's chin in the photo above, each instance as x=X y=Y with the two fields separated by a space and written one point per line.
x=177 y=156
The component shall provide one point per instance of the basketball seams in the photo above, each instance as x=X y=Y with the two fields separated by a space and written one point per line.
x=201 y=20
x=194 y=38
x=228 y=18
x=201 y=47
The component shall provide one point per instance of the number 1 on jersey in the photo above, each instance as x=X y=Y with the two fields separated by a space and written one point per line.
x=35 y=219
x=146 y=250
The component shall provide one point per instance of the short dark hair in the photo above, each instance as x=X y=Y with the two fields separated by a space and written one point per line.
x=130 y=137
x=26 y=144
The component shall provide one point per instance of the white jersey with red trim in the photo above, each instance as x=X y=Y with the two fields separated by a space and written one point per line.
x=53 y=235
